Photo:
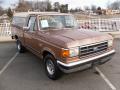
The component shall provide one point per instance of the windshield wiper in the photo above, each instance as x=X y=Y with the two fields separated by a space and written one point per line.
x=69 y=26
x=49 y=28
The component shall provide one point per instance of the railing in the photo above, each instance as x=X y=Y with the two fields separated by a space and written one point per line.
x=5 y=29
x=112 y=24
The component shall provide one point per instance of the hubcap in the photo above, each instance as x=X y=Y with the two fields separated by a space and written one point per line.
x=18 y=46
x=50 y=67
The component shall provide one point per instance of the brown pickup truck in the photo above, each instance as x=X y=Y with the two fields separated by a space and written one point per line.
x=56 y=39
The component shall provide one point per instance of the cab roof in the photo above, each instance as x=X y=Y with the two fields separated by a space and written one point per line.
x=25 y=14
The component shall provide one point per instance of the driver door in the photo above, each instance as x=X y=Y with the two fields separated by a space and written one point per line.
x=31 y=34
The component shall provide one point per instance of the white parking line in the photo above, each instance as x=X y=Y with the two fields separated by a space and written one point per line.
x=105 y=78
x=7 y=64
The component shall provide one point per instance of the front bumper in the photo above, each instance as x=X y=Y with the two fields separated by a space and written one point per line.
x=87 y=63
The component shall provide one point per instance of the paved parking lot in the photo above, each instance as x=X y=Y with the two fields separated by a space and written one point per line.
x=26 y=72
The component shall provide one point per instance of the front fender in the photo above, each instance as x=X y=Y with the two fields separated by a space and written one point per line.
x=48 y=50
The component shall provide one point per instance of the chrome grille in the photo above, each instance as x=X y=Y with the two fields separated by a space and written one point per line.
x=93 y=48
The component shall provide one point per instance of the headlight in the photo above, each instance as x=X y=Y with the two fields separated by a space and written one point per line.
x=110 y=43
x=74 y=51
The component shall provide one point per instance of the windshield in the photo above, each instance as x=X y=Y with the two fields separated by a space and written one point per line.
x=57 y=21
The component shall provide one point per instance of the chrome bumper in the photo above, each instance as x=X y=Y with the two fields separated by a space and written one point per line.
x=71 y=66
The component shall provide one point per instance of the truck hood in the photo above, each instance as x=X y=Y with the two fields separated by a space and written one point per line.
x=71 y=38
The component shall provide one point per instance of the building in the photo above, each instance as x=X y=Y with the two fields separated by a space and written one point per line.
x=112 y=12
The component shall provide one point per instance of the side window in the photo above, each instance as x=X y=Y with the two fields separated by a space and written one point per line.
x=44 y=22
x=31 y=23
x=35 y=25
x=19 y=21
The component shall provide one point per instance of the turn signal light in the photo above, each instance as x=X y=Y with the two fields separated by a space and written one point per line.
x=65 y=53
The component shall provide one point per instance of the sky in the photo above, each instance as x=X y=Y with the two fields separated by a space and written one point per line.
x=72 y=3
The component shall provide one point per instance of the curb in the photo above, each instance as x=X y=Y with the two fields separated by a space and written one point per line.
x=6 y=39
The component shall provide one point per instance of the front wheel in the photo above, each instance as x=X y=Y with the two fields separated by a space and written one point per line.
x=51 y=67
x=20 y=48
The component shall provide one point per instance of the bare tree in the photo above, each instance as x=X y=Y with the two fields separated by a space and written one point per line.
x=1 y=9
x=56 y=6
x=64 y=8
x=22 y=7
x=99 y=11
x=93 y=8
x=76 y=10
x=9 y=13
x=49 y=6
x=86 y=8
x=40 y=5
x=115 y=5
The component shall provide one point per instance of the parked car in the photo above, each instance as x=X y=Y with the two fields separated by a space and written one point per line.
x=56 y=39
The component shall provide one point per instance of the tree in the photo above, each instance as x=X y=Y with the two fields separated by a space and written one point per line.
x=9 y=13
x=23 y=7
x=76 y=10
x=1 y=9
x=72 y=10
x=93 y=8
x=115 y=5
x=39 y=5
x=64 y=8
x=86 y=8
x=56 y=6
x=99 y=10
x=49 y=6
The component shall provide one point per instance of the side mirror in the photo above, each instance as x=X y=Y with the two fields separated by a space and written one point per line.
x=26 y=28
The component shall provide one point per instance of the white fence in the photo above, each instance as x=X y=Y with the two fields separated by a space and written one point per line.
x=5 y=29
x=112 y=24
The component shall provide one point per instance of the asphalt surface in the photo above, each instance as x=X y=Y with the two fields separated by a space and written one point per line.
x=26 y=72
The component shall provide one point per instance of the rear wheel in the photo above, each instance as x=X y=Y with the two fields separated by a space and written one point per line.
x=51 y=67
x=20 y=48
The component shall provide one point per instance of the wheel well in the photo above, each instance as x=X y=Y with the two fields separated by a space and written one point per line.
x=46 y=53
x=16 y=37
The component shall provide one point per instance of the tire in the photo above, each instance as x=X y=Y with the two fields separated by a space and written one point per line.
x=12 y=37
x=51 y=68
x=20 y=48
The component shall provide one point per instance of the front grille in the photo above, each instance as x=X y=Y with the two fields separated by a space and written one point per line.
x=93 y=48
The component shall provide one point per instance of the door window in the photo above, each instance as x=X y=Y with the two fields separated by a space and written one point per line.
x=35 y=26
x=32 y=23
